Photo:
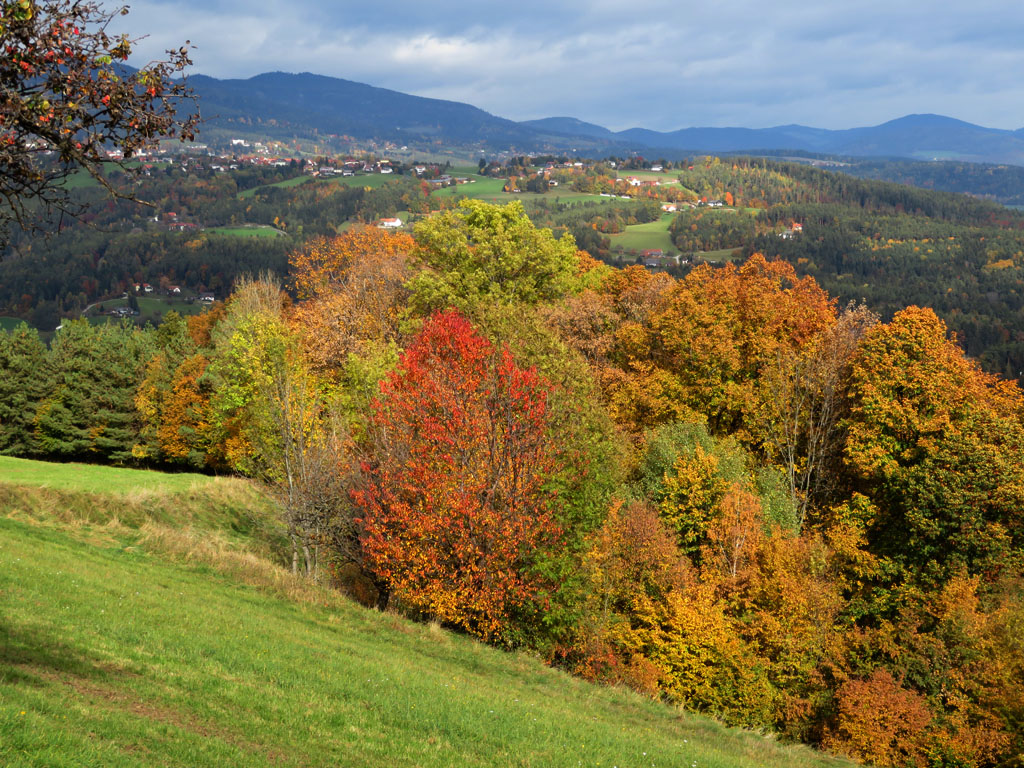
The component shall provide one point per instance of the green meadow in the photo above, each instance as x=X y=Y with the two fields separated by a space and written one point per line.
x=642 y=237
x=292 y=182
x=252 y=230
x=370 y=180
x=151 y=309
x=491 y=190
x=10 y=323
x=140 y=630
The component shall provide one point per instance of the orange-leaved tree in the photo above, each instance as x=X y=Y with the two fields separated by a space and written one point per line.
x=323 y=264
x=721 y=329
x=937 y=444
x=354 y=294
x=455 y=511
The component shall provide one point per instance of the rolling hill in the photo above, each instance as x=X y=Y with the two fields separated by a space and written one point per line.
x=306 y=105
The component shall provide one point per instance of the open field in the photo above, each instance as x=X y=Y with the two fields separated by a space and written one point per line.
x=75 y=496
x=371 y=180
x=94 y=478
x=161 y=645
x=723 y=255
x=10 y=323
x=490 y=190
x=151 y=310
x=664 y=178
x=641 y=237
x=481 y=187
x=292 y=182
x=252 y=230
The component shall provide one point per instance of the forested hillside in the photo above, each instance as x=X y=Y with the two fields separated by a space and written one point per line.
x=728 y=490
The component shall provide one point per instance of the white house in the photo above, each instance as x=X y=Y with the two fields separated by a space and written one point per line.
x=390 y=223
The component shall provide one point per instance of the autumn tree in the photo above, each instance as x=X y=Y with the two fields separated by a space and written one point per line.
x=325 y=265
x=709 y=492
x=800 y=401
x=174 y=398
x=67 y=101
x=277 y=414
x=721 y=328
x=485 y=253
x=880 y=721
x=455 y=510
x=354 y=287
x=651 y=624
x=936 y=444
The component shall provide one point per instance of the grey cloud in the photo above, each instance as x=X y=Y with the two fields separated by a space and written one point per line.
x=654 y=63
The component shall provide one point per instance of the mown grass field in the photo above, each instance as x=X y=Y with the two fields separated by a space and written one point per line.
x=371 y=180
x=292 y=182
x=719 y=256
x=641 y=237
x=490 y=189
x=95 y=478
x=166 y=642
x=481 y=187
x=151 y=310
x=10 y=323
x=255 y=230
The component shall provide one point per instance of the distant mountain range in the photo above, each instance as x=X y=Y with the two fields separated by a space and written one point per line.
x=307 y=105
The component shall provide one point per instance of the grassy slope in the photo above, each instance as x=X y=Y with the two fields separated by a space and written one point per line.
x=151 y=310
x=292 y=182
x=490 y=189
x=10 y=323
x=146 y=644
x=254 y=230
x=642 y=237
x=373 y=180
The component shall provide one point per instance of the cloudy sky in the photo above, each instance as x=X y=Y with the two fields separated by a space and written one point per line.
x=660 y=64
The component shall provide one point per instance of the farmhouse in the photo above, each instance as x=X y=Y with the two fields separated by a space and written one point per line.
x=389 y=223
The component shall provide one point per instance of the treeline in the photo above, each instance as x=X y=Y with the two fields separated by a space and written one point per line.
x=1002 y=183
x=727 y=490
x=762 y=183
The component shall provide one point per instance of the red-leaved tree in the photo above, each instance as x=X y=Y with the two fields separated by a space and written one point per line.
x=455 y=511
